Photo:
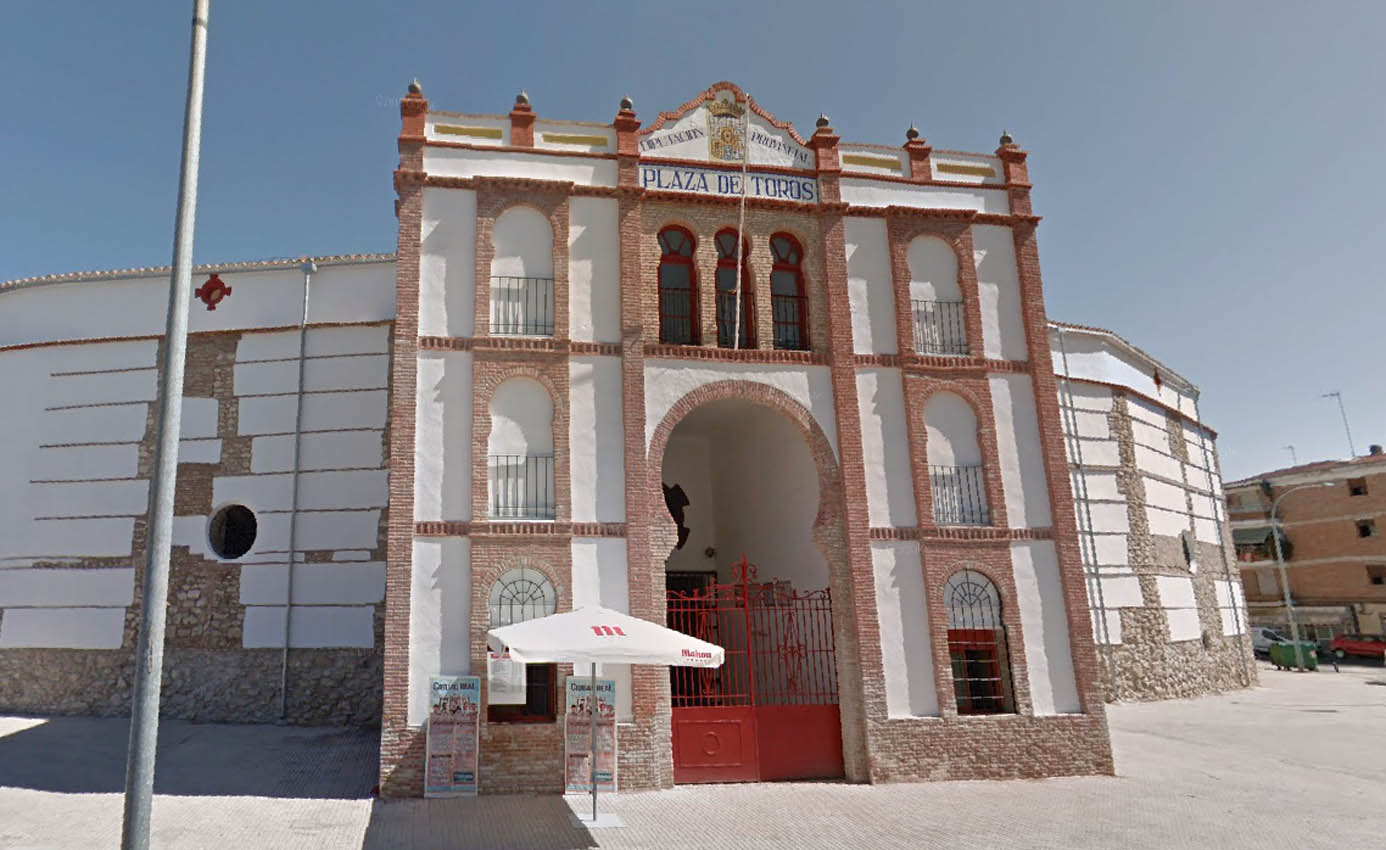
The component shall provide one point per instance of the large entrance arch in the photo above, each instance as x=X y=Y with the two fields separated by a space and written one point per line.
x=749 y=541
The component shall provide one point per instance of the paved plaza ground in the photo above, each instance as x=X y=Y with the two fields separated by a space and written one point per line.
x=1299 y=762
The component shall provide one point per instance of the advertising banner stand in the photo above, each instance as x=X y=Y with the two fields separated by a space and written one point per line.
x=454 y=714
x=596 y=635
x=592 y=760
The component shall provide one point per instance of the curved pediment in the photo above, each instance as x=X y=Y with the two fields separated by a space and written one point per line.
x=722 y=124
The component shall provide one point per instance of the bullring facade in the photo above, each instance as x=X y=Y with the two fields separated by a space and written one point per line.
x=591 y=374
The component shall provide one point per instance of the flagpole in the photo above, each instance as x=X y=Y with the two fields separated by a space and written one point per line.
x=741 y=222
x=149 y=653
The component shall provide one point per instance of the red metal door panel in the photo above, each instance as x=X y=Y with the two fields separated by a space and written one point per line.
x=799 y=741
x=715 y=745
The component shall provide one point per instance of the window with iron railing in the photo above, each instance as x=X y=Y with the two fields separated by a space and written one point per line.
x=959 y=495
x=940 y=328
x=521 y=306
x=522 y=487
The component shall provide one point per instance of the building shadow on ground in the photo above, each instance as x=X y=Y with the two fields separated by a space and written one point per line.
x=496 y=822
x=86 y=755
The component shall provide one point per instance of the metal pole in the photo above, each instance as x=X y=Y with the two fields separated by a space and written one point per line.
x=149 y=654
x=1284 y=579
x=308 y=268
x=1352 y=451
x=1294 y=458
x=592 y=738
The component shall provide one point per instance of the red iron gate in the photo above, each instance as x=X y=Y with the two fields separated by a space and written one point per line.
x=770 y=711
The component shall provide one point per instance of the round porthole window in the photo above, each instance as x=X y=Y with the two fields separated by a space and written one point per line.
x=232 y=531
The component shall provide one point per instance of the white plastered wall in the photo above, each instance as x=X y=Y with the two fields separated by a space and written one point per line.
x=885 y=449
x=906 y=652
x=594 y=270
x=1044 y=623
x=998 y=292
x=596 y=440
x=870 y=291
x=443 y=437
x=440 y=612
x=600 y=578
x=866 y=192
x=667 y=381
x=933 y=270
x=1020 y=451
x=447 y=263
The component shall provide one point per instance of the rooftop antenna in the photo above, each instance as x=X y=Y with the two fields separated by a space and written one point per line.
x=1294 y=459
x=1352 y=452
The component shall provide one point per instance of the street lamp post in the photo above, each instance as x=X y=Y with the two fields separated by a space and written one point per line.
x=1280 y=564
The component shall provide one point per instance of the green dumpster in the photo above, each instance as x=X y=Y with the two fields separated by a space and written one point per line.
x=1282 y=654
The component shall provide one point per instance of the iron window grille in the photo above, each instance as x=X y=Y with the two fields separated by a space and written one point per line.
x=521 y=306
x=977 y=646
x=940 y=328
x=522 y=487
x=678 y=291
x=959 y=495
x=788 y=300
x=726 y=291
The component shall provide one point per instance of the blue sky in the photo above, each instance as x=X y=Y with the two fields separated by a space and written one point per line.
x=1210 y=173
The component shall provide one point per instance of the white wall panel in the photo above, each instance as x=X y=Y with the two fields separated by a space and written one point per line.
x=124 y=422
x=440 y=611
x=345 y=372
x=199 y=451
x=317 y=530
x=1021 y=454
x=447 y=263
x=357 y=582
x=1158 y=463
x=998 y=291
x=320 y=342
x=885 y=449
x=311 y=627
x=1111 y=548
x=443 y=437
x=594 y=270
x=1161 y=494
x=86 y=498
x=1167 y=522
x=1044 y=623
x=1099 y=485
x=1121 y=592
x=103 y=388
x=320 y=450
x=906 y=655
x=596 y=440
x=59 y=587
x=106 y=537
x=64 y=628
x=78 y=463
x=870 y=290
x=1084 y=396
x=321 y=411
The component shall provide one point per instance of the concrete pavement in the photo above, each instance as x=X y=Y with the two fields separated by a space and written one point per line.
x=1299 y=762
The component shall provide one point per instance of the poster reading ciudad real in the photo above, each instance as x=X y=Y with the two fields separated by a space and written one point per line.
x=454 y=713
x=577 y=737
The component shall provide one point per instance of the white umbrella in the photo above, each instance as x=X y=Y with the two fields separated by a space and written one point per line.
x=596 y=635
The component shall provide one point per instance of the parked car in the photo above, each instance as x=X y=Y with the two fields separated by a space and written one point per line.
x=1371 y=646
x=1262 y=638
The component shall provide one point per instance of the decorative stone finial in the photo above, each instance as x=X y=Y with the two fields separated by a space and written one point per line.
x=522 y=99
x=822 y=121
x=1006 y=138
x=627 y=105
x=912 y=133
x=414 y=87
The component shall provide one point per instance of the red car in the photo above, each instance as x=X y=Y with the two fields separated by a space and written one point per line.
x=1372 y=646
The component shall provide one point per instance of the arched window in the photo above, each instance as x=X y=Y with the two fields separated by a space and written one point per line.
x=940 y=325
x=522 y=274
x=788 y=301
x=520 y=451
x=977 y=645
x=520 y=594
x=678 y=292
x=726 y=291
x=956 y=479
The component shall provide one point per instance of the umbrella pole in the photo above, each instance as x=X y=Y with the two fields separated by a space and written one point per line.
x=592 y=738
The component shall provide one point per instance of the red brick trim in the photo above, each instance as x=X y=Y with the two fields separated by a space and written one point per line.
x=981 y=534
x=401 y=748
x=486 y=345
x=488 y=374
x=1084 y=653
x=481 y=528
x=735 y=355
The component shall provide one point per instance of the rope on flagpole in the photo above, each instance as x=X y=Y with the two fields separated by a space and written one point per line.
x=741 y=224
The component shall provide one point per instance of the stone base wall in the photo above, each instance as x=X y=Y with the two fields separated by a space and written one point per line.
x=340 y=687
